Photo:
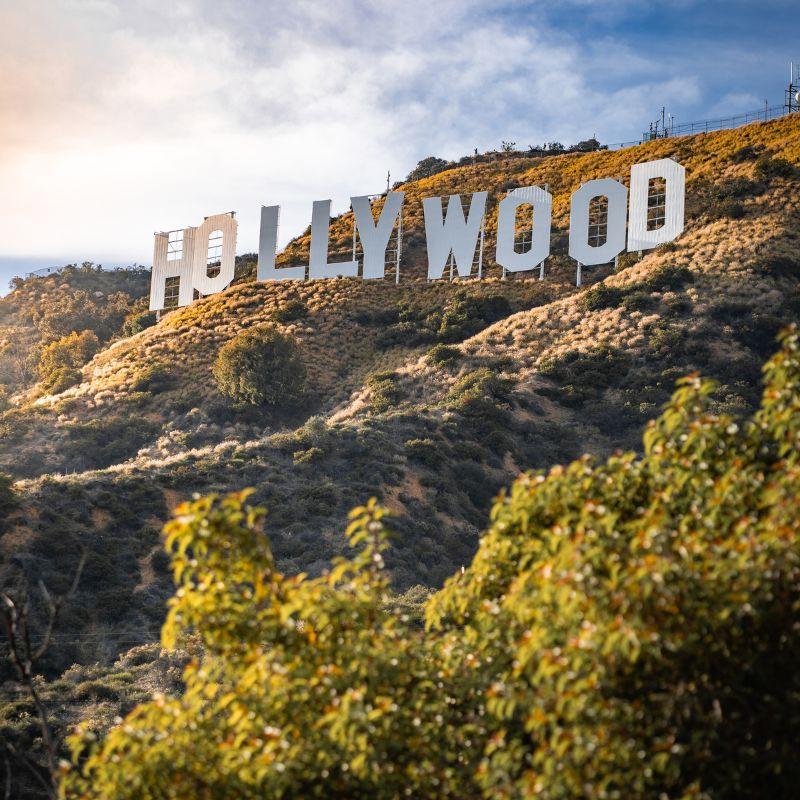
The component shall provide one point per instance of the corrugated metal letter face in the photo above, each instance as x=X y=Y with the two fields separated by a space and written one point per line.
x=267 y=246
x=318 y=264
x=375 y=236
x=542 y=203
x=172 y=258
x=579 y=247
x=657 y=203
x=195 y=258
x=454 y=234
x=214 y=253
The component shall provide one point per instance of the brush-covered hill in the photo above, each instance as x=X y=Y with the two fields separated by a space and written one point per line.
x=431 y=396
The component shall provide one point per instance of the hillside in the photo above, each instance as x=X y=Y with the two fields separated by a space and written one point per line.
x=430 y=396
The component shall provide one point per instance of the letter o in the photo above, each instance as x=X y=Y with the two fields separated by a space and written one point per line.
x=579 y=247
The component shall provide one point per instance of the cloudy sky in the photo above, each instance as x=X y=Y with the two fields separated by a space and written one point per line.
x=122 y=117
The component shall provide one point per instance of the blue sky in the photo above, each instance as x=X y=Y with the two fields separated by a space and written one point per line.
x=122 y=117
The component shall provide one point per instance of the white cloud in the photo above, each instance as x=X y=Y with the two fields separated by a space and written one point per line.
x=124 y=117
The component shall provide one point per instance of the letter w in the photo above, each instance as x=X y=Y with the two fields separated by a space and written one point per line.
x=455 y=235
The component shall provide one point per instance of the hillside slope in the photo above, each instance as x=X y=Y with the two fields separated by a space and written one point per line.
x=531 y=374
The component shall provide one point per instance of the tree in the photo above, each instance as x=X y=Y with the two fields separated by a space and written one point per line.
x=641 y=614
x=25 y=657
x=627 y=629
x=427 y=167
x=308 y=687
x=587 y=145
x=261 y=367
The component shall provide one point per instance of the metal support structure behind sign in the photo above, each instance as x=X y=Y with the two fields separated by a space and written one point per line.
x=480 y=253
x=399 y=247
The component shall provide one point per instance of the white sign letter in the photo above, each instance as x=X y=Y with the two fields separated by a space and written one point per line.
x=455 y=234
x=642 y=236
x=579 y=247
x=267 y=245
x=374 y=238
x=318 y=266
x=172 y=260
x=542 y=203
x=214 y=253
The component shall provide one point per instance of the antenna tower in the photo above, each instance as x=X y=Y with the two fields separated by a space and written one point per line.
x=792 y=92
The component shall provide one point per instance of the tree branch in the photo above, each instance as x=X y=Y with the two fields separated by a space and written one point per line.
x=24 y=658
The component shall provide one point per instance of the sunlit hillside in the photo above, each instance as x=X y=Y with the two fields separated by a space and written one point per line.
x=430 y=396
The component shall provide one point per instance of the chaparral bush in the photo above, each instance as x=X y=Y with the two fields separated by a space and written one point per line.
x=627 y=629
x=59 y=361
x=261 y=367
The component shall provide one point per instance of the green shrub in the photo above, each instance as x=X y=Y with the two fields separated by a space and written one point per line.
x=466 y=314
x=668 y=278
x=155 y=378
x=293 y=310
x=261 y=367
x=425 y=451
x=667 y=247
x=480 y=393
x=664 y=340
x=101 y=442
x=60 y=360
x=768 y=168
x=62 y=378
x=727 y=208
x=137 y=321
x=309 y=456
x=94 y=691
x=463 y=315
x=384 y=391
x=778 y=266
x=625 y=260
x=600 y=296
x=584 y=375
x=744 y=154
x=639 y=300
x=735 y=188
x=443 y=355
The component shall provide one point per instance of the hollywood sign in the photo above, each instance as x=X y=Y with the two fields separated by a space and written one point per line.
x=202 y=259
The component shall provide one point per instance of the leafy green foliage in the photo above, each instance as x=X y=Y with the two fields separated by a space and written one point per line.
x=443 y=355
x=154 y=378
x=427 y=167
x=109 y=440
x=384 y=391
x=645 y=612
x=637 y=296
x=601 y=296
x=261 y=367
x=627 y=629
x=139 y=318
x=480 y=392
x=307 y=688
x=425 y=451
x=87 y=298
x=72 y=300
x=60 y=361
x=584 y=375
x=768 y=168
x=463 y=315
x=291 y=311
